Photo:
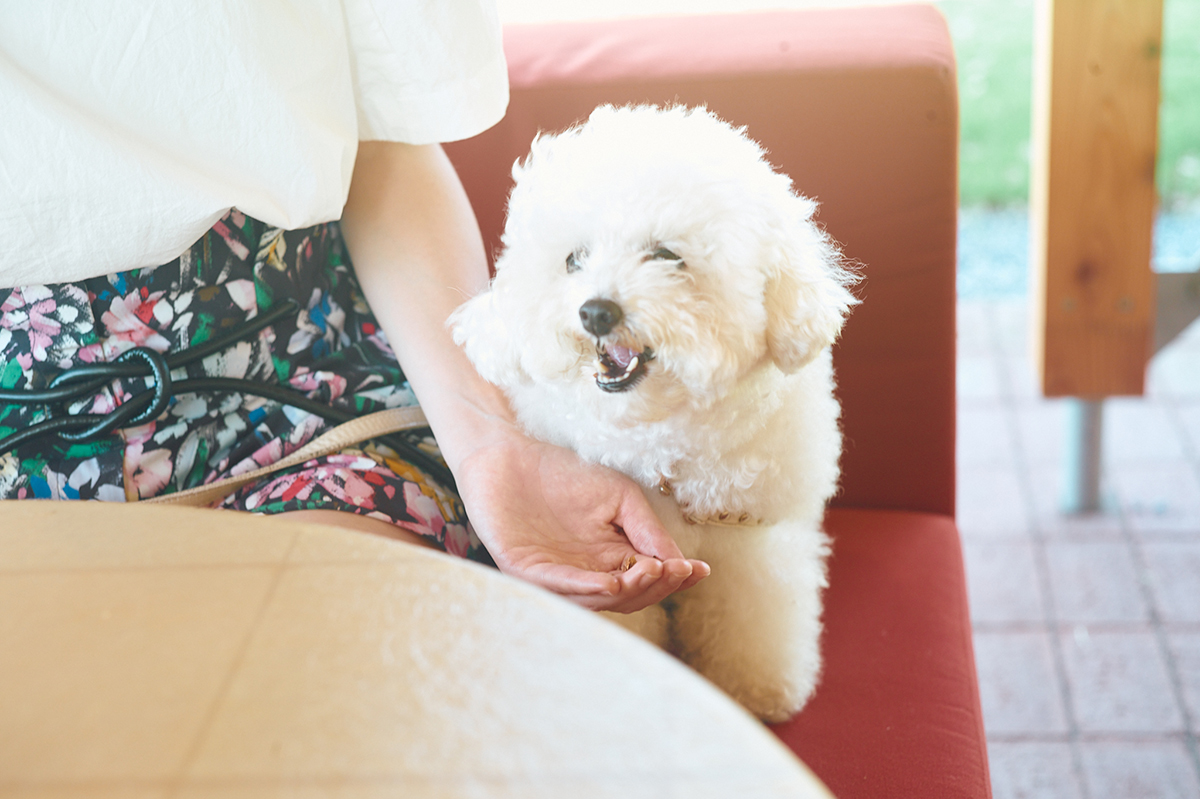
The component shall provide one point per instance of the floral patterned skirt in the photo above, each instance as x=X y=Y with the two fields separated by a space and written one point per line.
x=331 y=350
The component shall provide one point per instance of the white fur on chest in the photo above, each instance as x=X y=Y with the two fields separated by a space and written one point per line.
x=768 y=450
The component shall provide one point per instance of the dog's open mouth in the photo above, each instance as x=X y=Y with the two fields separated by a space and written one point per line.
x=619 y=368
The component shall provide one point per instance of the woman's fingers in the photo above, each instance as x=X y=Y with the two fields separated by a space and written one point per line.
x=625 y=591
x=654 y=587
x=641 y=525
x=648 y=582
x=699 y=571
x=570 y=581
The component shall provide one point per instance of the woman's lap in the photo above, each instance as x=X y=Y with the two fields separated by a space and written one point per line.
x=370 y=482
x=332 y=351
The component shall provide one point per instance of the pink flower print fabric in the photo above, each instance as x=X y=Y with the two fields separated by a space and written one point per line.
x=371 y=483
x=332 y=350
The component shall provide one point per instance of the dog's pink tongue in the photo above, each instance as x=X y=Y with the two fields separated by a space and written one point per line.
x=621 y=356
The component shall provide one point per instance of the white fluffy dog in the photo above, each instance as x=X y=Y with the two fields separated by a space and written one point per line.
x=664 y=305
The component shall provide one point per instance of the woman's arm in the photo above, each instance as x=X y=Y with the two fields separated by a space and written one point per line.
x=544 y=514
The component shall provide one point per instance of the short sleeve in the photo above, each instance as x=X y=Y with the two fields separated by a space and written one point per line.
x=426 y=71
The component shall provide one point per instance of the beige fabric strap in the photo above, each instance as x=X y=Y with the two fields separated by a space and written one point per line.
x=372 y=425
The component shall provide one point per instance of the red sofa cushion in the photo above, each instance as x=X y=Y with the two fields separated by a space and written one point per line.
x=896 y=713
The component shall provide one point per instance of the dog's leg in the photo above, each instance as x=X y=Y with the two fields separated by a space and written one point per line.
x=650 y=623
x=753 y=626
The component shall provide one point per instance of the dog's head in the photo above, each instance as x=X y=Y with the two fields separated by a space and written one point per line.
x=652 y=257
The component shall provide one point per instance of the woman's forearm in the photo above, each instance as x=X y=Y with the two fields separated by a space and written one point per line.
x=543 y=514
x=418 y=254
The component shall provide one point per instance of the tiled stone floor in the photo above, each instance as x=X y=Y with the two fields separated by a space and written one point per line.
x=1087 y=629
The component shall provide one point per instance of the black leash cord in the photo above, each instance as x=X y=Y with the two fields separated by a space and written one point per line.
x=85 y=380
x=64 y=388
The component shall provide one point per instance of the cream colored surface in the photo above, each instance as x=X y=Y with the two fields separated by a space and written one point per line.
x=155 y=651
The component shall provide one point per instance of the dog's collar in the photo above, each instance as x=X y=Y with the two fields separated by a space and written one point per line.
x=725 y=520
x=721 y=519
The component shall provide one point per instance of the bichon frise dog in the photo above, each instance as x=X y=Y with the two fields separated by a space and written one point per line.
x=664 y=305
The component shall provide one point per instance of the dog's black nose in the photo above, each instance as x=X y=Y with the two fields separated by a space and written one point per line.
x=599 y=317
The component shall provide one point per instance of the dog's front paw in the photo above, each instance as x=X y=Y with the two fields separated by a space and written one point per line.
x=776 y=705
x=773 y=680
x=772 y=688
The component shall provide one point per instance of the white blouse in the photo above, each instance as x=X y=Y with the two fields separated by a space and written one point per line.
x=127 y=128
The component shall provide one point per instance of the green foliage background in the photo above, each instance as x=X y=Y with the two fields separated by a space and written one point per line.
x=993 y=40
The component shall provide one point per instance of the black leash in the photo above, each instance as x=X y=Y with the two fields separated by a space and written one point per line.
x=85 y=380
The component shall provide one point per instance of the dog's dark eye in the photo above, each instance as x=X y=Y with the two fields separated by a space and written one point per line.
x=663 y=254
x=573 y=262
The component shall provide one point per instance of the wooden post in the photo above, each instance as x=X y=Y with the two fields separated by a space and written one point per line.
x=1092 y=196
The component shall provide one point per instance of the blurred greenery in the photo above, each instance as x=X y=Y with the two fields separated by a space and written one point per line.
x=993 y=40
x=1179 y=117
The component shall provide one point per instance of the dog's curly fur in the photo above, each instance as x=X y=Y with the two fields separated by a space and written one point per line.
x=666 y=235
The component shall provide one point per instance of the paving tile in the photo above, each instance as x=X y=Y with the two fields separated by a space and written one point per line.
x=1095 y=582
x=974 y=328
x=1002 y=581
x=1119 y=682
x=1017 y=684
x=1175 y=371
x=1032 y=770
x=1190 y=337
x=978 y=379
x=1185 y=647
x=1163 y=496
x=1011 y=318
x=1158 y=379
x=984 y=437
x=991 y=503
x=1173 y=571
x=1021 y=378
x=1189 y=416
x=1040 y=432
x=1137 y=430
x=1139 y=770
x=1046 y=490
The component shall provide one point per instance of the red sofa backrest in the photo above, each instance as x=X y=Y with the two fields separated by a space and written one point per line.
x=859 y=107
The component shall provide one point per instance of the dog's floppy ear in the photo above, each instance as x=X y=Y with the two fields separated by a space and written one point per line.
x=479 y=327
x=806 y=293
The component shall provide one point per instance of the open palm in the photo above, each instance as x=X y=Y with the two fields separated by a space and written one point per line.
x=569 y=526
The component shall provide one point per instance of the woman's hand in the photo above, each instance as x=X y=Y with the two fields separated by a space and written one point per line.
x=543 y=514
x=570 y=526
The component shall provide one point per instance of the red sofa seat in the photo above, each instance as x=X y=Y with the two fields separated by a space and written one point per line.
x=897 y=711
x=859 y=107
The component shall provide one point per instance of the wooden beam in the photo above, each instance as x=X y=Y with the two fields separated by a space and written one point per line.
x=1092 y=195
